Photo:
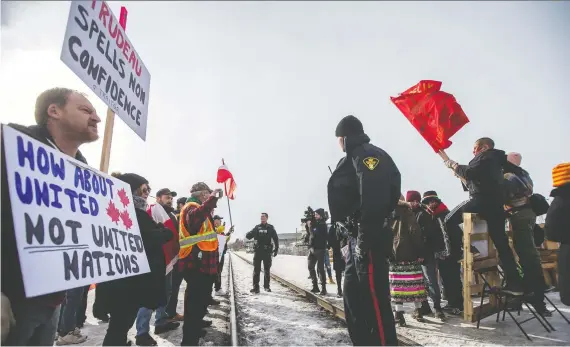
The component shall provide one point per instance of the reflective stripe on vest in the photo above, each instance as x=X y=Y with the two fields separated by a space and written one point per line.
x=206 y=239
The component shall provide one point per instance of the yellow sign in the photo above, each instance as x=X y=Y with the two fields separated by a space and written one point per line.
x=371 y=163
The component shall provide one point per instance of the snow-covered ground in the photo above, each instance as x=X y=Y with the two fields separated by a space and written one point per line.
x=454 y=331
x=282 y=317
x=218 y=333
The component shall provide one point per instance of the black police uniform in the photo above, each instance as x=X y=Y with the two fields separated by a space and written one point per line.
x=263 y=249
x=365 y=189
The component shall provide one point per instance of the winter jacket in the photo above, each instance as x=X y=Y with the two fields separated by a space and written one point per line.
x=318 y=236
x=434 y=231
x=557 y=229
x=12 y=285
x=408 y=242
x=484 y=176
x=146 y=290
x=365 y=186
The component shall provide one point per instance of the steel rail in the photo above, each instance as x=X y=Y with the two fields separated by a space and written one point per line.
x=233 y=307
x=336 y=310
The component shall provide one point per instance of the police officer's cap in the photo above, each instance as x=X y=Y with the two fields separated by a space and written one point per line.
x=349 y=126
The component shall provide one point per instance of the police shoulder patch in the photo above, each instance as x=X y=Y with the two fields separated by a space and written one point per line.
x=371 y=163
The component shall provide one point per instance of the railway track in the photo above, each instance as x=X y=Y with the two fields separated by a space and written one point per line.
x=333 y=308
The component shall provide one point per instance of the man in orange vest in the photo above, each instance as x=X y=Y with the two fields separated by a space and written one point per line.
x=198 y=258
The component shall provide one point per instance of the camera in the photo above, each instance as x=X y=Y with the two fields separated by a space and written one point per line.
x=309 y=215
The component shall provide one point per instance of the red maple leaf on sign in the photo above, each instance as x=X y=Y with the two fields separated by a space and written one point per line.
x=126 y=219
x=123 y=197
x=113 y=212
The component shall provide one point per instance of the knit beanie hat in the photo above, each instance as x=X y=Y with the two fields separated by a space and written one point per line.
x=413 y=195
x=133 y=180
x=561 y=174
x=430 y=195
x=349 y=126
x=514 y=158
x=321 y=212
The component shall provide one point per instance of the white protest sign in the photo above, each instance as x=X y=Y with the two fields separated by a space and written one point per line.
x=74 y=225
x=99 y=52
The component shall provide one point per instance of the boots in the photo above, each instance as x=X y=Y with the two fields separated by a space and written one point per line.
x=324 y=289
x=399 y=318
x=426 y=310
x=255 y=290
x=439 y=314
x=417 y=315
x=331 y=281
x=315 y=289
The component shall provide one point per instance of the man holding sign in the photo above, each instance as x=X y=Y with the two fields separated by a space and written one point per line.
x=65 y=120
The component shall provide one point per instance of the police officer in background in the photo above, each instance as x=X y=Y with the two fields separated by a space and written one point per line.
x=262 y=235
x=363 y=192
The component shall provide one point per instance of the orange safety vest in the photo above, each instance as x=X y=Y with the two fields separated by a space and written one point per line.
x=206 y=239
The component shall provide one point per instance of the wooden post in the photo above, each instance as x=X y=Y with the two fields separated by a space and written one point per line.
x=107 y=141
x=110 y=122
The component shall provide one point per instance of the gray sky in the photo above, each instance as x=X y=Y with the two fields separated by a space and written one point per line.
x=264 y=84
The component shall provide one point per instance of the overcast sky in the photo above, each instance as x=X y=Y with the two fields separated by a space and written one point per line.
x=264 y=84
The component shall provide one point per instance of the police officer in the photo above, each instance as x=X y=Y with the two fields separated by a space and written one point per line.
x=263 y=248
x=363 y=192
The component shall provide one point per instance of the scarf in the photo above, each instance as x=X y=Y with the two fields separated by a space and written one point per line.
x=140 y=203
x=195 y=200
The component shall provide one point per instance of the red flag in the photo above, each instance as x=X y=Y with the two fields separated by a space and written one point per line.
x=434 y=113
x=226 y=177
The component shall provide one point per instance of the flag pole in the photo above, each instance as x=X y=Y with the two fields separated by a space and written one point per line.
x=228 y=199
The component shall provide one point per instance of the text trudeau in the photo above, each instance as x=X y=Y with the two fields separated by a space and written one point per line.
x=81 y=221
x=97 y=49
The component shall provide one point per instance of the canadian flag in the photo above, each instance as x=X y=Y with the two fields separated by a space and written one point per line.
x=226 y=177
x=171 y=248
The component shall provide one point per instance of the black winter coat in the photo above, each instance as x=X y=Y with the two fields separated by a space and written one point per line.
x=484 y=176
x=146 y=290
x=365 y=185
x=557 y=229
x=318 y=236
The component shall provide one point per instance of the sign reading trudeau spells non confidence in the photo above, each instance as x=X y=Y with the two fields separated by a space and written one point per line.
x=99 y=52
x=74 y=225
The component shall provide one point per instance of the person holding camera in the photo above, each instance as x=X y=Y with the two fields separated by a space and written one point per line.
x=317 y=248
x=198 y=258
x=262 y=235
x=363 y=192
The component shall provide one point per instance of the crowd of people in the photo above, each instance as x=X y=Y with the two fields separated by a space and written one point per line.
x=390 y=248
x=188 y=243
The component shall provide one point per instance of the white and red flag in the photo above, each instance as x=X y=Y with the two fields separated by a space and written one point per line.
x=226 y=177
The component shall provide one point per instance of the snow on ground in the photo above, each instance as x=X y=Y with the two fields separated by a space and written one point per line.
x=282 y=317
x=454 y=331
x=218 y=333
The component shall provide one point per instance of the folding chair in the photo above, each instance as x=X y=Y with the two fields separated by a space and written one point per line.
x=500 y=294
x=548 y=290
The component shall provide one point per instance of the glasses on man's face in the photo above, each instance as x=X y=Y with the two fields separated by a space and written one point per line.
x=146 y=190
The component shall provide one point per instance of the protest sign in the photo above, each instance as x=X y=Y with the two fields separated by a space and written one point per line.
x=73 y=224
x=98 y=51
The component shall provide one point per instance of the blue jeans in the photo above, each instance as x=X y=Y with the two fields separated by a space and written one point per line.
x=160 y=317
x=35 y=325
x=430 y=275
x=69 y=309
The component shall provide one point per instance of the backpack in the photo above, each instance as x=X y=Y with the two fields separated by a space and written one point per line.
x=539 y=204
